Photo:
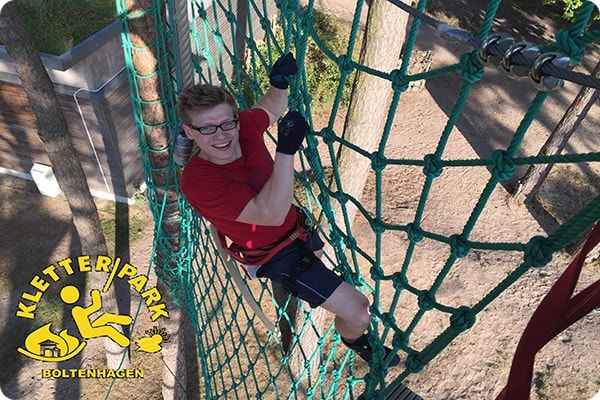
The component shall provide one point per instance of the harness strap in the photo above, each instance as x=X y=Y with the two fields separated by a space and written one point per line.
x=263 y=255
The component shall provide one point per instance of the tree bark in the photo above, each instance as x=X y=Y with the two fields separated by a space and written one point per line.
x=371 y=96
x=531 y=182
x=241 y=31
x=143 y=35
x=54 y=134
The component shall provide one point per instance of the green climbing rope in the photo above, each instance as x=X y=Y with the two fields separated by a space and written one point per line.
x=238 y=358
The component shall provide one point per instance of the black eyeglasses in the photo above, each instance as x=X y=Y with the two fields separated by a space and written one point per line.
x=212 y=129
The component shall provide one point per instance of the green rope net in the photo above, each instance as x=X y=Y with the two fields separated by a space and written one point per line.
x=239 y=358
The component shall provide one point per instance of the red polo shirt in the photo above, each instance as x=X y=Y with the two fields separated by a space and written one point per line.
x=220 y=192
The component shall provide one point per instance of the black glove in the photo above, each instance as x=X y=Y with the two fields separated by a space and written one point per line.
x=291 y=131
x=284 y=67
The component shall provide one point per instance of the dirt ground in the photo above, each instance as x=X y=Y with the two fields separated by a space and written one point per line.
x=476 y=364
x=35 y=230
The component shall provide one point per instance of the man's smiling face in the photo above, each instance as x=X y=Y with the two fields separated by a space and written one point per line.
x=221 y=147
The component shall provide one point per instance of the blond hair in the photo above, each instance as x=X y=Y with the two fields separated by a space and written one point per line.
x=202 y=97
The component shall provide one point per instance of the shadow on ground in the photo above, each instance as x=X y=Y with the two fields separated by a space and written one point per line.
x=24 y=252
x=498 y=103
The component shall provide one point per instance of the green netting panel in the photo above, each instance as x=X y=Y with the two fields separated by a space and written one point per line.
x=239 y=357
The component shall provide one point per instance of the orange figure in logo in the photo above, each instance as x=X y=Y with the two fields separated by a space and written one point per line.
x=98 y=327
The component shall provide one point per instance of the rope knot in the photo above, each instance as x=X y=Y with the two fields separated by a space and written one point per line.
x=570 y=45
x=378 y=162
x=342 y=197
x=377 y=226
x=351 y=243
x=265 y=24
x=399 y=281
x=221 y=76
x=327 y=135
x=433 y=166
x=415 y=234
x=252 y=45
x=458 y=246
x=388 y=319
x=230 y=17
x=322 y=369
x=414 y=363
x=345 y=63
x=538 y=251
x=399 y=81
x=335 y=374
x=400 y=340
x=202 y=13
x=462 y=319
x=472 y=68
x=377 y=273
x=426 y=300
x=504 y=167
x=218 y=38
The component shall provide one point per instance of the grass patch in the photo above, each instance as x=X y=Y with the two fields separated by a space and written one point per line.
x=50 y=309
x=57 y=25
x=322 y=73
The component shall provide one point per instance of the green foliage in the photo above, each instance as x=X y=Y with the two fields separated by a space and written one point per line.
x=569 y=7
x=57 y=25
x=135 y=223
x=322 y=74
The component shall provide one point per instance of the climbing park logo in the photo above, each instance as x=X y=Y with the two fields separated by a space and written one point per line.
x=52 y=344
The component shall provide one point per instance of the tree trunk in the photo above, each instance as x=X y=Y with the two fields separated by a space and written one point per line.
x=53 y=132
x=144 y=36
x=241 y=31
x=531 y=182
x=371 y=96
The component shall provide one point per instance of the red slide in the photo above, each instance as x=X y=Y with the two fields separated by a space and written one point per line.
x=557 y=311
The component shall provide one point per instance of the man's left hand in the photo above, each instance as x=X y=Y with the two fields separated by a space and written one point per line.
x=284 y=67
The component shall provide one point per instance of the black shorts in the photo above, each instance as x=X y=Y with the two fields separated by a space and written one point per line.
x=298 y=270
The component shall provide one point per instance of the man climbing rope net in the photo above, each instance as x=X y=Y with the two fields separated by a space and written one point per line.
x=233 y=182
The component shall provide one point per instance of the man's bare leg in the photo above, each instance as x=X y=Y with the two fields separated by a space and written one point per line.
x=352 y=318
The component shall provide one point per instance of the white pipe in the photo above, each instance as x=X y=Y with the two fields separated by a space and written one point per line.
x=18 y=174
x=86 y=128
